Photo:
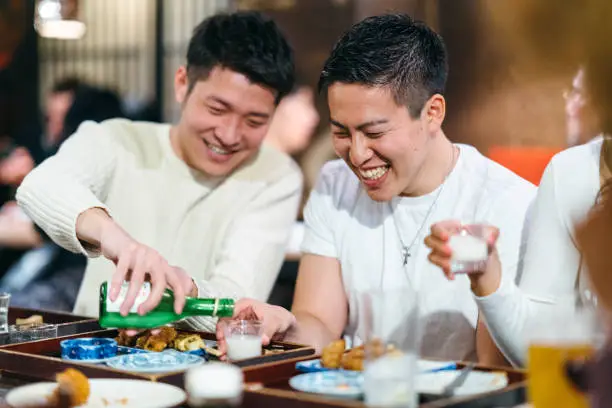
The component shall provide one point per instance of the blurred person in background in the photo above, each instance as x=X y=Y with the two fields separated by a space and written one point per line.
x=17 y=234
x=582 y=123
x=22 y=159
x=294 y=122
x=291 y=130
x=47 y=276
x=199 y=206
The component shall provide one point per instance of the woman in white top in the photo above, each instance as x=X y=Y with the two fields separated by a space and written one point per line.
x=552 y=274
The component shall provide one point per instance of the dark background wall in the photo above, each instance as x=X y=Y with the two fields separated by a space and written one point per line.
x=18 y=67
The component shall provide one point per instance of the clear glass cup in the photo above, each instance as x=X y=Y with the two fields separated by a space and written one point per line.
x=31 y=332
x=243 y=339
x=5 y=300
x=470 y=248
x=392 y=338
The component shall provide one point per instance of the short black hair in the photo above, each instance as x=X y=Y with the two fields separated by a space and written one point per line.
x=68 y=84
x=394 y=51
x=247 y=43
x=92 y=103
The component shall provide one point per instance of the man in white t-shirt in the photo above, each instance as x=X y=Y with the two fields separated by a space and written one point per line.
x=370 y=212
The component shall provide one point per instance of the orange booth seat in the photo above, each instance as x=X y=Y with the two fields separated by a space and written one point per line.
x=527 y=162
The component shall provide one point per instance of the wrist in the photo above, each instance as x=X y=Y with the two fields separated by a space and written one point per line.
x=193 y=289
x=92 y=225
x=487 y=283
x=483 y=285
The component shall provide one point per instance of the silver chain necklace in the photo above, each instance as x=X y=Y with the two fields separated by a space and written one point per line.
x=406 y=250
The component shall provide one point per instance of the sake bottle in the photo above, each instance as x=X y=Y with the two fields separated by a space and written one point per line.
x=110 y=317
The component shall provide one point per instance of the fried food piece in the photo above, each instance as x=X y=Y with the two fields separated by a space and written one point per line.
x=34 y=319
x=141 y=340
x=167 y=334
x=188 y=342
x=353 y=359
x=124 y=340
x=394 y=351
x=375 y=348
x=161 y=340
x=331 y=357
x=73 y=386
x=155 y=344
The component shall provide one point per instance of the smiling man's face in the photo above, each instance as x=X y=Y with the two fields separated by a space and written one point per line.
x=379 y=140
x=224 y=120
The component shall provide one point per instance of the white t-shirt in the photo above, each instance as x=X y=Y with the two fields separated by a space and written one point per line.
x=343 y=222
x=550 y=277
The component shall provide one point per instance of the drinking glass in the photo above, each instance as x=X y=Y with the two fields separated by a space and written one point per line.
x=470 y=248
x=560 y=342
x=243 y=338
x=391 y=341
x=31 y=332
x=5 y=299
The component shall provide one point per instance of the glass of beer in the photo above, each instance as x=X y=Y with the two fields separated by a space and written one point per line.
x=560 y=344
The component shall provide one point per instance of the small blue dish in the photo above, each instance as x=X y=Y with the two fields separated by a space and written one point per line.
x=311 y=366
x=87 y=349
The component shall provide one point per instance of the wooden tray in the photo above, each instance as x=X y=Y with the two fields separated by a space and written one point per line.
x=49 y=316
x=274 y=376
x=66 y=323
x=42 y=358
x=268 y=385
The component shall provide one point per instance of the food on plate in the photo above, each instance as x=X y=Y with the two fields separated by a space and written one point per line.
x=167 y=337
x=124 y=340
x=331 y=357
x=353 y=359
x=162 y=340
x=147 y=341
x=335 y=356
x=188 y=342
x=34 y=319
x=72 y=389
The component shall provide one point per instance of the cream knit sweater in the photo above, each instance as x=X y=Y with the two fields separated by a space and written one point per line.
x=229 y=234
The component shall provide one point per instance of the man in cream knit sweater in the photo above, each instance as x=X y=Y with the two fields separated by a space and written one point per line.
x=199 y=201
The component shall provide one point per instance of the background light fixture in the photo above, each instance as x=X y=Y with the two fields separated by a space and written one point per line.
x=58 y=19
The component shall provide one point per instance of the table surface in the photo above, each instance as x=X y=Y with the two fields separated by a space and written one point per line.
x=7 y=384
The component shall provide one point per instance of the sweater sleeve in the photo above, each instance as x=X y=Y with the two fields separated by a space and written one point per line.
x=254 y=248
x=547 y=277
x=72 y=181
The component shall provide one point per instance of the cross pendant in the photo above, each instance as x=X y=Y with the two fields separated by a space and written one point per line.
x=405 y=255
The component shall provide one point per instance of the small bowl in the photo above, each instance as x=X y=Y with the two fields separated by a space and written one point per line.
x=88 y=348
x=32 y=332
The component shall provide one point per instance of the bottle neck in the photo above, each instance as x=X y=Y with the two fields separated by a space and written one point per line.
x=215 y=307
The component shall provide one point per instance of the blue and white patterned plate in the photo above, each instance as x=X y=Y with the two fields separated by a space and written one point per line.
x=424 y=366
x=162 y=362
x=346 y=384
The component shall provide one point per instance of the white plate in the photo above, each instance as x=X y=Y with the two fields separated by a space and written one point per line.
x=424 y=366
x=346 y=384
x=477 y=382
x=108 y=393
x=350 y=383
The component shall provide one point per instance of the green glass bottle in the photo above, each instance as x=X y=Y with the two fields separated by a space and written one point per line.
x=162 y=314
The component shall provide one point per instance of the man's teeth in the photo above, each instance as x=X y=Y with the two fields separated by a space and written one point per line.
x=373 y=174
x=218 y=150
